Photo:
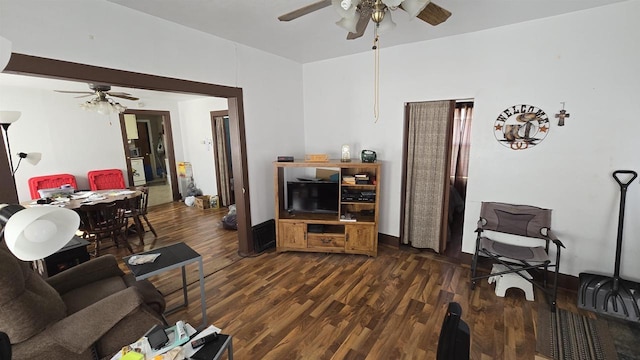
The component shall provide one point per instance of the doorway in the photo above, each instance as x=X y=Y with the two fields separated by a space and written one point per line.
x=222 y=156
x=148 y=149
x=458 y=174
x=435 y=161
x=29 y=65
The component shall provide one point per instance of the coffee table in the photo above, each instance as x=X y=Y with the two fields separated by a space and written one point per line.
x=172 y=257
x=215 y=349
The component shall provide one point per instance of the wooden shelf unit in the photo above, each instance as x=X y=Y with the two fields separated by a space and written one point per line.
x=326 y=232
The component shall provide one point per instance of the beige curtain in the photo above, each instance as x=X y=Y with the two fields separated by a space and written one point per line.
x=222 y=162
x=427 y=167
x=460 y=144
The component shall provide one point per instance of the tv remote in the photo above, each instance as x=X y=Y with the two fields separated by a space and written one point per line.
x=203 y=340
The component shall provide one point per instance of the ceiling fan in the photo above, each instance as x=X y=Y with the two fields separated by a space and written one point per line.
x=357 y=13
x=101 y=103
x=101 y=91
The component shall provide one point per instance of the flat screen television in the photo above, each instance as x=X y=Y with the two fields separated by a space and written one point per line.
x=313 y=197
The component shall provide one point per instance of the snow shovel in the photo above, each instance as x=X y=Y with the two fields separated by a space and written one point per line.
x=612 y=295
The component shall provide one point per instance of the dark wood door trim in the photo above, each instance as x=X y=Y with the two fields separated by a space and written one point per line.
x=21 y=64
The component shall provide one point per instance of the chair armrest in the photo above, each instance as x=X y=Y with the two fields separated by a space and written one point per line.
x=88 y=272
x=552 y=236
x=479 y=226
x=82 y=329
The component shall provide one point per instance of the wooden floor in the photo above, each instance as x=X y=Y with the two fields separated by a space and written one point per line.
x=334 y=306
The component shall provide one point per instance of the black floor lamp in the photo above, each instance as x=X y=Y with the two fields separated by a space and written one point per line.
x=6 y=119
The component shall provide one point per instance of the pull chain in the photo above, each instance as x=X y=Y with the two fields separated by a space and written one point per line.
x=376 y=77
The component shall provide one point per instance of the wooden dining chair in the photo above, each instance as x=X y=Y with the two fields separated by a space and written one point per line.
x=105 y=221
x=132 y=212
x=139 y=212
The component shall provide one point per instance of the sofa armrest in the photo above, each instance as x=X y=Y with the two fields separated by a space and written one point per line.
x=96 y=269
x=82 y=329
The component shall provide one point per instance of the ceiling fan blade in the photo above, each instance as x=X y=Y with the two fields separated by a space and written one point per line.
x=305 y=10
x=434 y=14
x=75 y=92
x=360 y=27
x=84 y=96
x=122 y=95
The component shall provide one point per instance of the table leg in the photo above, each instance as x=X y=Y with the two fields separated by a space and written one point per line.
x=230 y=348
x=184 y=286
x=203 y=302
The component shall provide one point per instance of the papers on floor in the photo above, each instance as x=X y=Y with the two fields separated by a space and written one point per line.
x=142 y=259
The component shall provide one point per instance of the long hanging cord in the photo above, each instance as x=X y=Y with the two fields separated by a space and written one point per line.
x=376 y=77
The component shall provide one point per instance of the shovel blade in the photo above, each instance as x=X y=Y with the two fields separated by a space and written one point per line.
x=597 y=293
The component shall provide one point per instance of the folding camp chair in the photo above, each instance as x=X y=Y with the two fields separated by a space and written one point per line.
x=518 y=237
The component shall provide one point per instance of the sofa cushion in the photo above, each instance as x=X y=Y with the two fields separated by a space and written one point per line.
x=27 y=303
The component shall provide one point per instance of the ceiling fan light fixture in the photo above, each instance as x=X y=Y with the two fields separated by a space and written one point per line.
x=414 y=7
x=103 y=105
x=386 y=24
x=392 y=3
x=378 y=12
x=348 y=11
x=349 y=23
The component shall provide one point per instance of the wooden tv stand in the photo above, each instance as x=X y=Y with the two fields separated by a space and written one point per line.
x=317 y=232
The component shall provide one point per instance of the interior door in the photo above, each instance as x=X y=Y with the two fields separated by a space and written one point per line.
x=144 y=148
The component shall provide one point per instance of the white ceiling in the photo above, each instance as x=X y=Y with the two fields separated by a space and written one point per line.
x=315 y=36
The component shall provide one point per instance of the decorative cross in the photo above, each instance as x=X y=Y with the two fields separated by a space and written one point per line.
x=562 y=115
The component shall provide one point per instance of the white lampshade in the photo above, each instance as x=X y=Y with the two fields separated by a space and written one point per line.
x=414 y=7
x=386 y=24
x=349 y=11
x=9 y=117
x=37 y=232
x=349 y=23
x=33 y=158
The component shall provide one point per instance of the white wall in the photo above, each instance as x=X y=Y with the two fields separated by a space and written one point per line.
x=100 y=33
x=587 y=59
x=70 y=139
x=197 y=139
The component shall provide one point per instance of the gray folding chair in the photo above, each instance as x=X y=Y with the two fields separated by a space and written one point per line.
x=522 y=220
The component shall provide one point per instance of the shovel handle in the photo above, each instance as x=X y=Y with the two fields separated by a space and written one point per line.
x=624 y=172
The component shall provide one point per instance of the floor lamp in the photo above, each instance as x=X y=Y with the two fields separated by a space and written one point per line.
x=6 y=119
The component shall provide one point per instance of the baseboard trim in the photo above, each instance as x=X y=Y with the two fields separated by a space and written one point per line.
x=389 y=240
x=566 y=282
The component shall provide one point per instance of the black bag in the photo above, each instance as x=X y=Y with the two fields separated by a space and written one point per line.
x=230 y=222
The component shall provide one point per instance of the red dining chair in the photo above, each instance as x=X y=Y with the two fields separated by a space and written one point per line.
x=106 y=179
x=50 y=182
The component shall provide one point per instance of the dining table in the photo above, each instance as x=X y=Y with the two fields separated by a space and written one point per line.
x=76 y=200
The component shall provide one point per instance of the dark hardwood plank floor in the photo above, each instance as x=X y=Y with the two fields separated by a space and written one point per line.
x=334 y=306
